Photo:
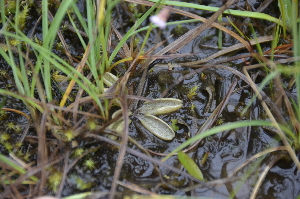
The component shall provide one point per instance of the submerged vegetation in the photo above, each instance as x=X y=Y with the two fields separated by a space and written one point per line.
x=97 y=101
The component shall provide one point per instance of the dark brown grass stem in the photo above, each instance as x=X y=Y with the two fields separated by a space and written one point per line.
x=123 y=147
x=64 y=176
x=18 y=112
x=136 y=188
x=42 y=150
x=235 y=47
x=15 y=192
x=77 y=100
x=263 y=175
x=127 y=52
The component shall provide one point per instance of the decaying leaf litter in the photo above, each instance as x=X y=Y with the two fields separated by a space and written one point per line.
x=131 y=108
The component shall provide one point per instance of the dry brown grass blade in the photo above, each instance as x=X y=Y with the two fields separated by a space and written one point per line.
x=77 y=100
x=136 y=188
x=64 y=176
x=263 y=175
x=72 y=82
x=17 y=111
x=153 y=48
x=273 y=120
x=288 y=104
x=15 y=192
x=123 y=147
x=42 y=150
x=51 y=106
x=228 y=50
x=171 y=56
x=125 y=46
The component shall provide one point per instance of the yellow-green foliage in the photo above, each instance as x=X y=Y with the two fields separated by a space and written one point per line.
x=54 y=180
x=89 y=163
x=192 y=92
x=78 y=152
x=22 y=16
x=174 y=125
x=83 y=185
x=4 y=137
x=13 y=126
x=11 y=6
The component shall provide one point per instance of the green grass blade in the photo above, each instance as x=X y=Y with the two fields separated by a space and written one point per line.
x=228 y=11
x=9 y=162
x=216 y=130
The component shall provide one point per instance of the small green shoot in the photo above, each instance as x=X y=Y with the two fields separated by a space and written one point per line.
x=174 y=125
x=54 y=180
x=192 y=92
x=190 y=165
x=89 y=163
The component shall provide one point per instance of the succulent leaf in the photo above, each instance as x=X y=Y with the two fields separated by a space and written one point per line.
x=109 y=79
x=190 y=165
x=160 y=106
x=157 y=126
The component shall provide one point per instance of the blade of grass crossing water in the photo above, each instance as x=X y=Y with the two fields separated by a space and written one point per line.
x=228 y=11
x=216 y=130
